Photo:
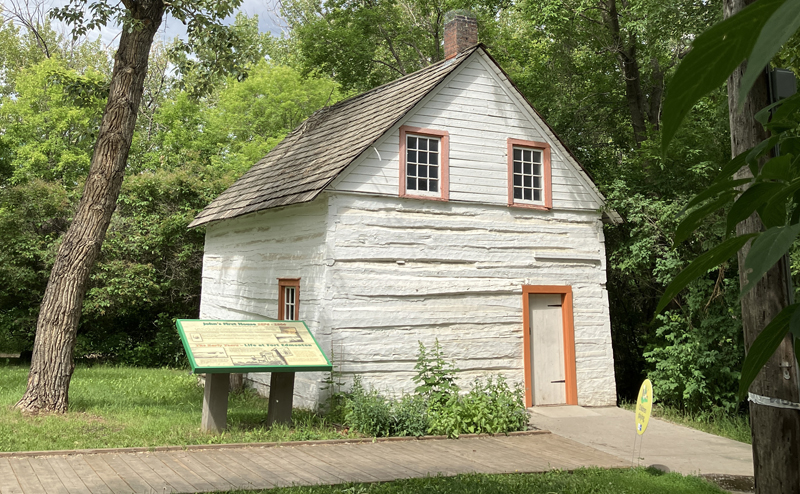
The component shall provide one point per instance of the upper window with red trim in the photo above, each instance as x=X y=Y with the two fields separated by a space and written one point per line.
x=424 y=163
x=529 y=179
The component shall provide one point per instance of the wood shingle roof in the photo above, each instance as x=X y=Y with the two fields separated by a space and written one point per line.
x=317 y=151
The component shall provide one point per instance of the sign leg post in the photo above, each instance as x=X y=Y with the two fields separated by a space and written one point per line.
x=215 y=403
x=281 y=391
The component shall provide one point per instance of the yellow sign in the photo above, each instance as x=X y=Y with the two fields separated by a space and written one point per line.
x=250 y=346
x=644 y=404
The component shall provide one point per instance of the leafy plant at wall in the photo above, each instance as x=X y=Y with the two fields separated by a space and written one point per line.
x=491 y=406
x=435 y=377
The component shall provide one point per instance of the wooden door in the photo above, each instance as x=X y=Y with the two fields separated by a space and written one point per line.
x=547 y=349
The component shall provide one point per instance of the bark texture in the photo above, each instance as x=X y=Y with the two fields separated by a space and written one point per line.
x=52 y=362
x=643 y=110
x=775 y=431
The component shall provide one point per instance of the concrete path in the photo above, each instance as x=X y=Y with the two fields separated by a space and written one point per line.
x=230 y=467
x=612 y=430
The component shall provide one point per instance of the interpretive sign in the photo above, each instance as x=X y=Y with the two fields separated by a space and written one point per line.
x=250 y=346
x=644 y=404
x=220 y=348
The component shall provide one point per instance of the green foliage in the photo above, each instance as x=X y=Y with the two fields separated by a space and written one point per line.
x=773 y=190
x=366 y=44
x=491 y=406
x=202 y=66
x=435 y=376
x=52 y=122
x=149 y=272
x=185 y=152
x=715 y=54
x=371 y=413
x=698 y=349
x=29 y=232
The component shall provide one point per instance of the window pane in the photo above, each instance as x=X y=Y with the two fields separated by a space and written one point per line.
x=433 y=172
x=517 y=154
x=526 y=155
x=433 y=145
x=517 y=193
x=433 y=158
x=411 y=183
x=422 y=144
x=537 y=182
x=537 y=195
x=527 y=168
x=411 y=156
x=433 y=185
x=411 y=170
x=422 y=157
x=423 y=184
x=517 y=167
x=423 y=171
x=517 y=180
x=412 y=142
x=537 y=169
x=537 y=156
x=527 y=194
x=526 y=181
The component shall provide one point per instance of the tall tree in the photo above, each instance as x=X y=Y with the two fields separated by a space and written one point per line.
x=56 y=329
x=367 y=43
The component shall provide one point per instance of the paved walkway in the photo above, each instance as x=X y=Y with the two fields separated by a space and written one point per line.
x=612 y=430
x=225 y=468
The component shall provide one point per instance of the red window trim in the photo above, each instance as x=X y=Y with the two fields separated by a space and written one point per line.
x=548 y=185
x=282 y=284
x=444 y=162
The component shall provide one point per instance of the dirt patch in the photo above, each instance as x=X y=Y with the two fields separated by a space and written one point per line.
x=734 y=483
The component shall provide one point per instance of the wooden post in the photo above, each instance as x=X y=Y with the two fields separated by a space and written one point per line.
x=281 y=392
x=215 y=403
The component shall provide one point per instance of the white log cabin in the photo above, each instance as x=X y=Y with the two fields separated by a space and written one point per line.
x=440 y=205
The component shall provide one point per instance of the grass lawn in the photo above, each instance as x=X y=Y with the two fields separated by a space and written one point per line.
x=583 y=481
x=112 y=407
x=736 y=427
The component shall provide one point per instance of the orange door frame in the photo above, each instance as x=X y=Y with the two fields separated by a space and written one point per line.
x=570 y=373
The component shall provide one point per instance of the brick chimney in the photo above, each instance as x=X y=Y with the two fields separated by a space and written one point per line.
x=460 y=32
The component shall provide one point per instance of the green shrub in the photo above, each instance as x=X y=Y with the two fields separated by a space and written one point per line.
x=373 y=414
x=491 y=407
x=410 y=416
x=435 y=379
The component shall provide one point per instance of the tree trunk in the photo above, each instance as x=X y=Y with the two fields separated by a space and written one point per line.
x=236 y=382
x=775 y=431
x=57 y=326
x=626 y=56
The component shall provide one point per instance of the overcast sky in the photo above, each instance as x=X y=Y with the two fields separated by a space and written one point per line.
x=171 y=27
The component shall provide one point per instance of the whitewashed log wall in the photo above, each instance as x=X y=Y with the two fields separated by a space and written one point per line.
x=404 y=270
x=243 y=260
x=380 y=274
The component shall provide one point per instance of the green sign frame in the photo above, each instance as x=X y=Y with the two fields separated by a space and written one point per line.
x=216 y=346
